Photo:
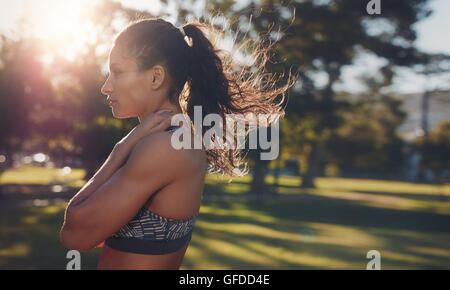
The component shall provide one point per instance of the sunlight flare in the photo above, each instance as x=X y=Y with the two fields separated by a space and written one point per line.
x=62 y=26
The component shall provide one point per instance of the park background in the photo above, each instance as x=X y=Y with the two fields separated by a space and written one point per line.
x=364 y=146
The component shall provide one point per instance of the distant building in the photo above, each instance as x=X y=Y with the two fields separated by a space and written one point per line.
x=438 y=111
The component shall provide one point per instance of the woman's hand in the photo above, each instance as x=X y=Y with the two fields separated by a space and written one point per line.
x=155 y=122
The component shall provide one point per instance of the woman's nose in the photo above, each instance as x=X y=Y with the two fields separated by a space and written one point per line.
x=106 y=88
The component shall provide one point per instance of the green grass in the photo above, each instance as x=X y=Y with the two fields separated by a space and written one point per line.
x=41 y=175
x=331 y=227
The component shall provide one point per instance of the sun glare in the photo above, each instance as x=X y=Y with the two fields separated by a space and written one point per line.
x=61 y=25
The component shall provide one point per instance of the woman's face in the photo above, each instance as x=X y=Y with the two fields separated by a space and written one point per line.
x=130 y=91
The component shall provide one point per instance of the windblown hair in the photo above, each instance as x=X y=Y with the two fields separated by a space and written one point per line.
x=203 y=75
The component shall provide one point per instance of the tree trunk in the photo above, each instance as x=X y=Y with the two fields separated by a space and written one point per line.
x=258 y=186
x=276 y=176
x=425 y=106
x=8 y=163
x=276 y=182
x=313 y=167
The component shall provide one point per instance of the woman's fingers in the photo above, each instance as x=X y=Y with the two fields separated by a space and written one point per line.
x=158 y=121
x=164 y=118
x=165 y=112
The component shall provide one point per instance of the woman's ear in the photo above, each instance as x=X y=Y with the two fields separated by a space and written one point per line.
x=157 y=75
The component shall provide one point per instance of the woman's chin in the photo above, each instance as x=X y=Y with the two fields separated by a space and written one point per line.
x=121 y=115
x=117 y=115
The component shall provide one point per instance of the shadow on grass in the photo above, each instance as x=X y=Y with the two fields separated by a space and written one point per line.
x=387 y=225
x=314 y=208
x=421 y=197
x=408 y=239
x=30 y=240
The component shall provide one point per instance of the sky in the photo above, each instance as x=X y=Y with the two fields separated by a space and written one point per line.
x=432 y=37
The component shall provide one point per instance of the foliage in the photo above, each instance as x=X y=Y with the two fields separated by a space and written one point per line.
x=366 y=141
x=435 y=148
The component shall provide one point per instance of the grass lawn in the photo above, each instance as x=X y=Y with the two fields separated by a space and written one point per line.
x=331 y=227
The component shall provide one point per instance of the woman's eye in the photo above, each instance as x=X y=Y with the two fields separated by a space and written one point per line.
x=114 y=72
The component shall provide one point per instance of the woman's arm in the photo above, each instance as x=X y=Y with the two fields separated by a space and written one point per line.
x=155 y=122
x=152 y=164
x=113 y=166
x=115 y=160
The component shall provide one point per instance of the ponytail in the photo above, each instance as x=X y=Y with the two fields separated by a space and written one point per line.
x=208 y=86
x=218 y=88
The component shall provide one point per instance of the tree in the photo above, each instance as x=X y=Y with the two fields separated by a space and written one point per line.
x=319 y=40
x=22 y=87
x=437 y=65
x=366 y=143
x=59 y=109
x=435 y=149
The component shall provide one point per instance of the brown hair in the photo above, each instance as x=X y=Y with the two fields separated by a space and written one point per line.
x=202 y=75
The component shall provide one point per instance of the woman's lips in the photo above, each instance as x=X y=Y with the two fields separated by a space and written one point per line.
x=111 y=102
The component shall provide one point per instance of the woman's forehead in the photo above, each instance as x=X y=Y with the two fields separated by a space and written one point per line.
x=117 y=58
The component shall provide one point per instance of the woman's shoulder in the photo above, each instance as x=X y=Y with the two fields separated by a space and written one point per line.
x=160 y=144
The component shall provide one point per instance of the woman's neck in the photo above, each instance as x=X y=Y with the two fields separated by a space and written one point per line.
x=165 y=106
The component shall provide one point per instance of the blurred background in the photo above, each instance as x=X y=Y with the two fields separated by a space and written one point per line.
x=364 y=147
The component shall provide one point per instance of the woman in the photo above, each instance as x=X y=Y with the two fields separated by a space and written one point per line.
x=144 y=200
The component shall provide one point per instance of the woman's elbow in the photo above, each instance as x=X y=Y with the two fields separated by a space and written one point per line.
x=73 y=238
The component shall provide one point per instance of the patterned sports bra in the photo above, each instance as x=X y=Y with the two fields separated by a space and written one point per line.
x=149 y=233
